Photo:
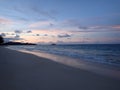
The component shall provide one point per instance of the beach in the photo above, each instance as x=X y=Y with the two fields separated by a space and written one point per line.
x=22 y=71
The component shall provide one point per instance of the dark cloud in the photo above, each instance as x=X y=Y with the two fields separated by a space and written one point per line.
x=40 y=35
x=48 y=14
x=45 y=34
x=3 y=34
x=83 y=27
x=37 y=34
x=64 y=35
x=29 y=31
x=17 y=36
x=18 y=31
x=6 y=34
x=51 y=24
x=75 y=23
x=12 y=38
x=98 y=29
x=12 y=34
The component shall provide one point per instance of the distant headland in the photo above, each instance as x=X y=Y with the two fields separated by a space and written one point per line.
x=18 y=43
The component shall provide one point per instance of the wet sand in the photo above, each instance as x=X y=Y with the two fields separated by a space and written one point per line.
x=21 y=71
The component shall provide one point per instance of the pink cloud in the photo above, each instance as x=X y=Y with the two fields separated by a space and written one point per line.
x=116 y=26
x=5 y=21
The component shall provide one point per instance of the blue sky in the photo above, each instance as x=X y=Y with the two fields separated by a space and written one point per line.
x=60 y=21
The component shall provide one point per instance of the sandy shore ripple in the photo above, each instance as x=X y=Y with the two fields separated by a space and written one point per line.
x=21 y=71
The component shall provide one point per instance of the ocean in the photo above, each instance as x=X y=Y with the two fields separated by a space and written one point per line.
x=100 y=53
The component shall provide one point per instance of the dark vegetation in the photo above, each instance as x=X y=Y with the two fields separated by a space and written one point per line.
x=13 y=43
x=1 y=40
x=18 y=43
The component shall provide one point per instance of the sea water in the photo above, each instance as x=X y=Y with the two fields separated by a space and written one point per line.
x=99 y=53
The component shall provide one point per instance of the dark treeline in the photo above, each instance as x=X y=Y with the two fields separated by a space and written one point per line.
x=18 y=43
x=1 y=40
x=13 y=43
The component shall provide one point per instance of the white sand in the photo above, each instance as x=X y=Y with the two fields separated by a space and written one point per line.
x=20 y=71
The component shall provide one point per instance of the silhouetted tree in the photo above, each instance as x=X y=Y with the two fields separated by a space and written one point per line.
x=1 y=40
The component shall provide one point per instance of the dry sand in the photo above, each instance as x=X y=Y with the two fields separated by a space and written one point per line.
x=21 y=71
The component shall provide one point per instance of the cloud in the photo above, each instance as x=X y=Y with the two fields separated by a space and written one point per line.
x=7 y=34
x=15 y=38
x=45 y=34
x=48 y=14
x=5 y=21
x=94 y=26
x=107 y=28
x=41 y=35
x=41 y=24
x=3 y=34
x=36 y=12
x=83 y=27
x=64 y=35
x=116 y=26
x=29 y=31
x=37 y=34
x=18 y=31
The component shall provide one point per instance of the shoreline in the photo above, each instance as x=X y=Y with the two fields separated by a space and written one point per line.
x=22 y=71
x=29 y=50
x=95 y=67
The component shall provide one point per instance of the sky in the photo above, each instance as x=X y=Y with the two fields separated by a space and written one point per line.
x=60 y=21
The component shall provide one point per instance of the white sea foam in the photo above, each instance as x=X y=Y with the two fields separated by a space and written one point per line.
x=72 y=58
x=108 y=54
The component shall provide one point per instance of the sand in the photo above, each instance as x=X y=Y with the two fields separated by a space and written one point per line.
x=21 y=71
